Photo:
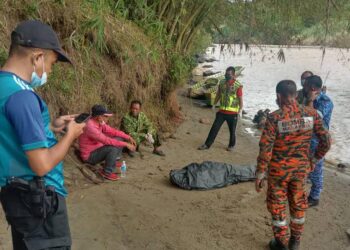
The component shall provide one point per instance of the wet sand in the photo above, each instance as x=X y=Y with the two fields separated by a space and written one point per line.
x=144 y=211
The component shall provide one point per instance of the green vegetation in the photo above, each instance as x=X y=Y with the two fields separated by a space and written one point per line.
x=284 y=22
x=121 y=50
x=127 y=49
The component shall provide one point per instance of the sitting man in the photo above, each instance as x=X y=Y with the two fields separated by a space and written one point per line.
x=140 y=128
x=100 y=142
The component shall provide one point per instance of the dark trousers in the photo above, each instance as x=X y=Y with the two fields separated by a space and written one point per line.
x=157 y=143
x=231 y=120
x=109 y=154
x=36 y=233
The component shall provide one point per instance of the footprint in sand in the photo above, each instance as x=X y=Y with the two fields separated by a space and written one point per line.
x=248 y=196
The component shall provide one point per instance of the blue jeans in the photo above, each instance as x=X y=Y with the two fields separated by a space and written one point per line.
x=109 y=154
x=316 y=178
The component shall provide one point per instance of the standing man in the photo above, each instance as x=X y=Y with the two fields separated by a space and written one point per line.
x=230 y=95
x=316 y=98
x=300 y=93
x=284 y=157
x=138 y=126
x=31 y=170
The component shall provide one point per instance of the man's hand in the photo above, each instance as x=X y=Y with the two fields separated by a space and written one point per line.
x=149 y=138
x=311 y=96
x=259 y=184
x=75 y=129
x=43 y=160
x=132 y=141
x=61 y=122
x=131 y=147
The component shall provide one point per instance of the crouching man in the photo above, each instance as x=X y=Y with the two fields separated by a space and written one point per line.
x=140 y=128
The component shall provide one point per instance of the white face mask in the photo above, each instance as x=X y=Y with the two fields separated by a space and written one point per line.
x=36 y=81
x=102 y=121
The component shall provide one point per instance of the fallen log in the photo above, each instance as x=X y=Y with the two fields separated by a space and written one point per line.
x=88 y=171
x=90 y=175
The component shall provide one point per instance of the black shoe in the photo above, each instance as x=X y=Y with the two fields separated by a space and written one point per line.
x=312 y=202
x=203 y=147
x=293 y=243
x=276 y=244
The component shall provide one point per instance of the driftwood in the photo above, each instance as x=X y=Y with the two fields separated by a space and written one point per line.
x=88 y=171
x=89 y=174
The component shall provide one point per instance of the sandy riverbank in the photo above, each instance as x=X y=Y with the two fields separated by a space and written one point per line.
x=144 y=211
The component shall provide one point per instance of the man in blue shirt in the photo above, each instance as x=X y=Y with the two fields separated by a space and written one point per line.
x=317 y=99
x=31 y=171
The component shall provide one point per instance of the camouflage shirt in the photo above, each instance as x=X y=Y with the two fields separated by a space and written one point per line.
x=137 y=127
x=285 y=141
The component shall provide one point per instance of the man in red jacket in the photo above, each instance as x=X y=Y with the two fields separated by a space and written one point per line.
x=100 y=142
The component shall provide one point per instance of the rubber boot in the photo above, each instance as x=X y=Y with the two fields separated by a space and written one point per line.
x=276 y=244
x=293 y=243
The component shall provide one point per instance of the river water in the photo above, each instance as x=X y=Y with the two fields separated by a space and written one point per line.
x=263 y=70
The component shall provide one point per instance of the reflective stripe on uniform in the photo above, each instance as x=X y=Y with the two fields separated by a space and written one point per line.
x=229 y=100
x=279 y=223
x=299 y=221
x=292 y=125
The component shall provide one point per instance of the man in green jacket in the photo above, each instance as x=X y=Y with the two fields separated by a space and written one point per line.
x=138 y=126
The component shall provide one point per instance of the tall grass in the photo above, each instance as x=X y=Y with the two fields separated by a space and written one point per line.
x=95 y=22
x=337 y=36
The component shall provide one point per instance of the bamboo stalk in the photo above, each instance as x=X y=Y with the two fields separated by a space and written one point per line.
x=187 y=25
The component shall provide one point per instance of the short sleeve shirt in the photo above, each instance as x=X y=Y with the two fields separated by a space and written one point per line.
x=25 y=125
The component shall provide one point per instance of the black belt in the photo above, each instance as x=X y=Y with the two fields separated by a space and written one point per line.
x=38 y=198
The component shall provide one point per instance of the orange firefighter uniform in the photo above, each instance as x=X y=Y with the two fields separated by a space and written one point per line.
x=285 y=159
